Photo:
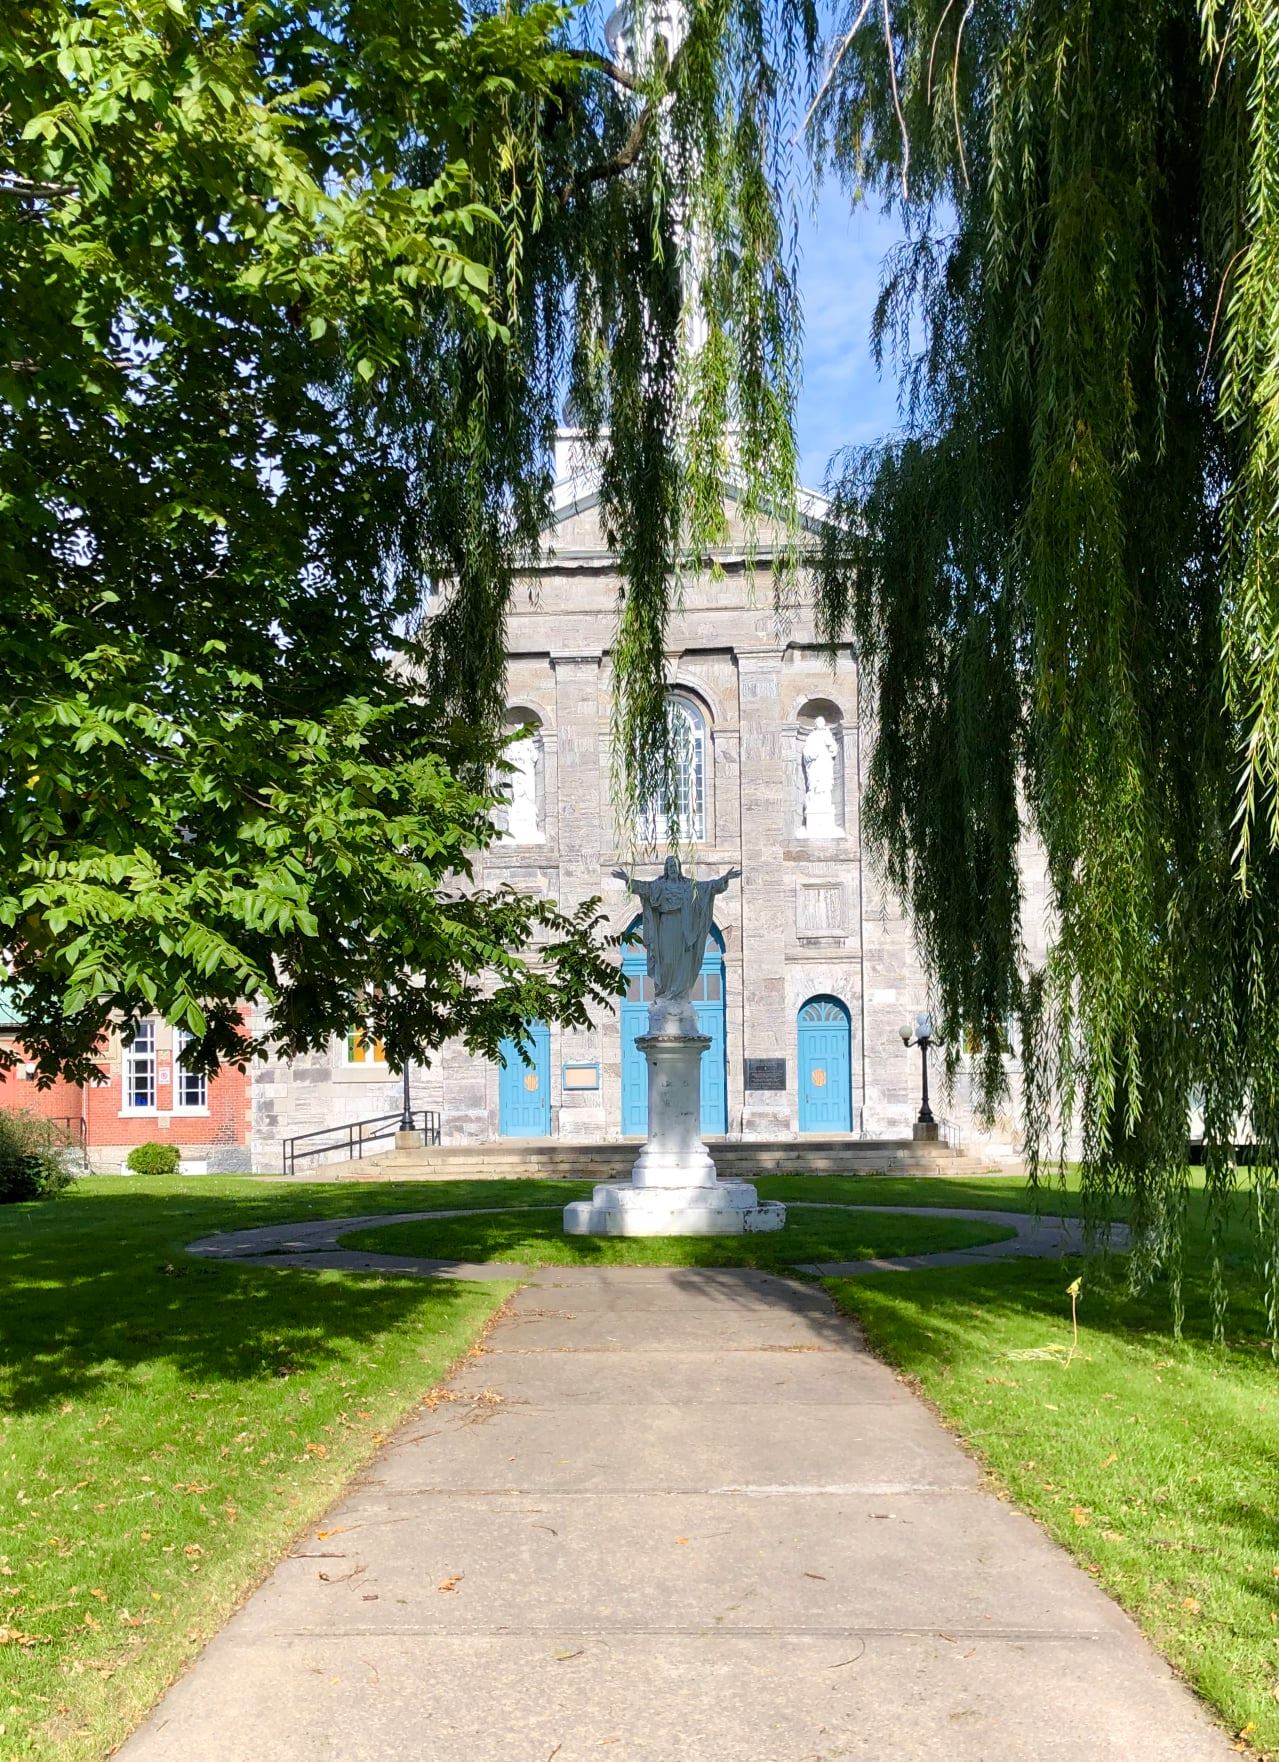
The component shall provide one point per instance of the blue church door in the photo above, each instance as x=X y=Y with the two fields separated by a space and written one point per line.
x=708 y=1000
x=524 y=1091
x=825 y=1067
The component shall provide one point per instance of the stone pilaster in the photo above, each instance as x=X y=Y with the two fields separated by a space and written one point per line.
x=766 y=1027
x=582 y=803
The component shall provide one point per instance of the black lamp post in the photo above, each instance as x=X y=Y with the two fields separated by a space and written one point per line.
x=406 y=1109
x=921 y=1035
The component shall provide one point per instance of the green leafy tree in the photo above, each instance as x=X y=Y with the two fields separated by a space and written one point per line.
x=1061 y=573
x=290 y=293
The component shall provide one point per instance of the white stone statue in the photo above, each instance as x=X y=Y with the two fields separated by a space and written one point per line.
x=673 y=1189
x=819 y=755
x=677 y=920
x=521 y=791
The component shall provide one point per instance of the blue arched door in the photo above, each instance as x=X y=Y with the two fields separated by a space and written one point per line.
x=524 y=1090
x=708 y=999
x=825 y=1066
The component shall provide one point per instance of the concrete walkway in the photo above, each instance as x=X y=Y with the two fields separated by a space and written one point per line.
x=318 y=1243
x=670 y=1515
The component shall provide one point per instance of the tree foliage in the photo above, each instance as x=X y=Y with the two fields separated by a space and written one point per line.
x=290 y=292
x=1061 y=573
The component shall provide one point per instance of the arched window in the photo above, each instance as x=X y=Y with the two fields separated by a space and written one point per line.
x=687 y=727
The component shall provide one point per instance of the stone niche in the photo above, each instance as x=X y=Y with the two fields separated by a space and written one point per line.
x=523 y=818
x=818 y=790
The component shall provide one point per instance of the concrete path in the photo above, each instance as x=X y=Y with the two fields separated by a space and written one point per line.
x=670 y=1515
x=318 y=1243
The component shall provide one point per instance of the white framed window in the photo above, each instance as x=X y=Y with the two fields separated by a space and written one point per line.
x=363 y=1049
x=190 y=1088
x=687 y=728
x=139 y=1070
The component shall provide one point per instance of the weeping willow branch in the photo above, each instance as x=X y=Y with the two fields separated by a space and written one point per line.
x=653 y=296
x=1063 y=576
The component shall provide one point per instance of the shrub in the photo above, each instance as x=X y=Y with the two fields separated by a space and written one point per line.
x=34 y=1157
x=154 y=1159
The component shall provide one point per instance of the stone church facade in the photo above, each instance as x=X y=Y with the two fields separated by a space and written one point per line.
x=813 y=972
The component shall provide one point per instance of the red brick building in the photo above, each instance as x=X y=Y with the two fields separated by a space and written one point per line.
x=144 y=1096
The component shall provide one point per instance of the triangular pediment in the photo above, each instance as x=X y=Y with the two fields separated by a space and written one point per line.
x=575 y=532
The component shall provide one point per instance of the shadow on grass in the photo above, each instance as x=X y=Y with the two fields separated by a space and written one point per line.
x=98 y=1282
x=1012 y=1294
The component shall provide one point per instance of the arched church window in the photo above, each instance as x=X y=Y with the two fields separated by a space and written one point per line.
x=687 y=727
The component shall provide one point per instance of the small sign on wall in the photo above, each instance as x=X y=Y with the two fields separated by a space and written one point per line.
x=581 y=1076
x=766 y=1073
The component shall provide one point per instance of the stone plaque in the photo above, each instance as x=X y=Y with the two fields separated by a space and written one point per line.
x=766 y=1073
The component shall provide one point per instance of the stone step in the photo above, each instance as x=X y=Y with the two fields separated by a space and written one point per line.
x=605 y=1162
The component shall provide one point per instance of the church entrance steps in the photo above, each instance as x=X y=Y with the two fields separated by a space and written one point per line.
x=612 y=1162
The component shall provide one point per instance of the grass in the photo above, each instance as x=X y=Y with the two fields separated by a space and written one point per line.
x=1154 y=1461
x=537 y=1239
x=167 y=1426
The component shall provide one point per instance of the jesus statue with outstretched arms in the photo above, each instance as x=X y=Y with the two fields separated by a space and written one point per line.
x=678 y=914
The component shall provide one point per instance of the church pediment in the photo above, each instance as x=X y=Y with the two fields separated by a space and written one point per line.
x=575 y=533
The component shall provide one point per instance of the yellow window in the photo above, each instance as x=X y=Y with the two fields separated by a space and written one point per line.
x=363 y=1049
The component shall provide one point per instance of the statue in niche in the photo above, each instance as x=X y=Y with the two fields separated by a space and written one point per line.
x=819 y=756
x=678 y=914
x=521 y=790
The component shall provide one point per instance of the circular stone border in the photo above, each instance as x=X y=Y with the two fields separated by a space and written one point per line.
x=318 y=1244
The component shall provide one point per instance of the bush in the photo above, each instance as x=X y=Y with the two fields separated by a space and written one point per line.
x=154 y=1159
x=34 y=1157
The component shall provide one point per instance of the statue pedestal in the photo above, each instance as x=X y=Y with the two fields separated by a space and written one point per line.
x=673 y=1189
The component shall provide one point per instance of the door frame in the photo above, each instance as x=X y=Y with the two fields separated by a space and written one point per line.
x=635 y=966
x=843 y=1019
x=538 y=1045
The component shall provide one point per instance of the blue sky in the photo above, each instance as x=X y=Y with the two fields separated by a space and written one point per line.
x=843 y=400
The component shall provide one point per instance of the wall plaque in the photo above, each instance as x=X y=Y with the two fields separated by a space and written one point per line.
x=765 y=1073
x=582 y=1076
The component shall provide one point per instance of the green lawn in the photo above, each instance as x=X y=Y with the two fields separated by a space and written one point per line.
x=167 y=1426
x=984 y=1192
x=811 y=1234
x=1156 y=1462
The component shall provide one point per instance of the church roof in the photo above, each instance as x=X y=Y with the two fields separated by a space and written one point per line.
x=577 y=491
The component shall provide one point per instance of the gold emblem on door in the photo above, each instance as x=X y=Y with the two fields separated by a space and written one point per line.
x=817 y=1079
x=530 y=1080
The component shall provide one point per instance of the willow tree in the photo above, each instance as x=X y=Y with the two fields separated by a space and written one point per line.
x=290 y=294
x=1062 y=572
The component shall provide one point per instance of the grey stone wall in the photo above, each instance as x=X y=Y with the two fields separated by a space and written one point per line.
x=809 y=916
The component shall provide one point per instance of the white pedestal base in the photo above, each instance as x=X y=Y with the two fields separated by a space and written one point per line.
x=673 y=1190
x=727 y=1208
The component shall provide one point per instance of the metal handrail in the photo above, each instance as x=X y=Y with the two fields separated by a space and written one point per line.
x=76 y=1130
x=354 y=1135
x=952 y=1134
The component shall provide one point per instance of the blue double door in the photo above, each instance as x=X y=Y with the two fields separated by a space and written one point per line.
x=708 y=1000
x=824 y=1054
x=524 y=1090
